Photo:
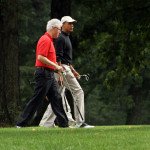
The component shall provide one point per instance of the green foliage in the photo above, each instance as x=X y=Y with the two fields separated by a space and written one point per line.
x=33 y=16
x=114 y=46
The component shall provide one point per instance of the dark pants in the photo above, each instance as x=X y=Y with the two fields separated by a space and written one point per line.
x=40 y=112
x=45 y=85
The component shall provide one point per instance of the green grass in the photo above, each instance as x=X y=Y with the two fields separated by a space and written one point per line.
x=98 y=138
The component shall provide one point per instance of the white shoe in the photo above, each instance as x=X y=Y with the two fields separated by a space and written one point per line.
x=48 y=126
x=72 y=126
x=18 y=127
x=85 y=125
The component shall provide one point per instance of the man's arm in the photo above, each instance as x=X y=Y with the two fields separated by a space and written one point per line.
x=46 y=61
x=76 y=74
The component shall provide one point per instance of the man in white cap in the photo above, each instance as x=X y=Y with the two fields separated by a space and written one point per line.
x=64 y=58
x=45 y=83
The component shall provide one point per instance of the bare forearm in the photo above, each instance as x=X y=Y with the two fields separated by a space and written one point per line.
x=47 y=61
x=76 y=74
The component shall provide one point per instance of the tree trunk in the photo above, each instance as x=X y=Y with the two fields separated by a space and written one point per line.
x=9 y=67
x=60 y=8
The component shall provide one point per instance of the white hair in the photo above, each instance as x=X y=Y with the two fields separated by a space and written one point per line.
x=53 y=23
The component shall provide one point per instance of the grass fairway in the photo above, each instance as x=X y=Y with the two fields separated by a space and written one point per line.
x=98 y=138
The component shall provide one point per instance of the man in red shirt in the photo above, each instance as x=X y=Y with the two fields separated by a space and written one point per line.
x=46 y=84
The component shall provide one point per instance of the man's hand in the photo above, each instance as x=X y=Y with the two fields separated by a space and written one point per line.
x=60 y=79
x=76 y=74
x=59 y=68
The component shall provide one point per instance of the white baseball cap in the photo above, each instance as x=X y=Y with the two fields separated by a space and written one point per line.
x=67 y=19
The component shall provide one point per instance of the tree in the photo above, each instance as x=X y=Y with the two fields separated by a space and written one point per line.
x=9 y=66
x=116 y=42
x=110 y=42
x=60 y=8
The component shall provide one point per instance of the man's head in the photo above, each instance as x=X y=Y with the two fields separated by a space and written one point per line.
x=54 y=27
x=68 y=24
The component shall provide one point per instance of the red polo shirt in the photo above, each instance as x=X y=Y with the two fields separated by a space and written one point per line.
x=45 y=47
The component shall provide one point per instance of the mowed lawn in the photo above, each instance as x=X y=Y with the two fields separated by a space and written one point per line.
x=98 y=138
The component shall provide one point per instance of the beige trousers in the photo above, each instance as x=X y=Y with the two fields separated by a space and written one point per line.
x=70 y=82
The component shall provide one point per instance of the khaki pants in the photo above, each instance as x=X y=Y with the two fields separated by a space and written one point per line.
x=78 y=94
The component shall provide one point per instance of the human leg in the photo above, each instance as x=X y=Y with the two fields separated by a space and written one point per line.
x=41 y=87
x=73 y=85
x=56 y=104
x=40 y=112
x=48 y=118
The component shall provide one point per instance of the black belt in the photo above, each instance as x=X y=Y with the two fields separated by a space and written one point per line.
x=44 y=68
